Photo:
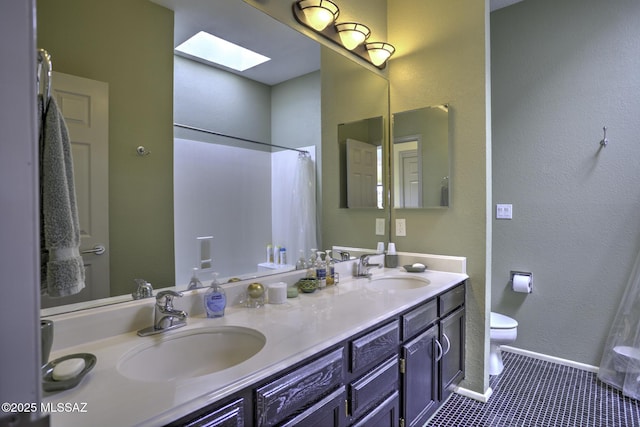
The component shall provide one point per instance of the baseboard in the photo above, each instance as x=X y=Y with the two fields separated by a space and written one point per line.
x=481 y=397
x=553 y=359
x=484 y=397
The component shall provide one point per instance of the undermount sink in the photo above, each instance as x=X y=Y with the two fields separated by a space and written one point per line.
x=398 y=283
x=191 y=353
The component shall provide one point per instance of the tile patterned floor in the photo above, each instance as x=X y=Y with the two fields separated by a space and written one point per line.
x=536 y=393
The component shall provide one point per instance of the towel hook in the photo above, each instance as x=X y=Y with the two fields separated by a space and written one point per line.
x=45 y=68
x=604 y=140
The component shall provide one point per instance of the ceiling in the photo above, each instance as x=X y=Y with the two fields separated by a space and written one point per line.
x=292 y=54
x=499 y=4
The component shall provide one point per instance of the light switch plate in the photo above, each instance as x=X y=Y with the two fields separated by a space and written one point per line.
x=504 y=211
x=379 y=226
x=401 y=227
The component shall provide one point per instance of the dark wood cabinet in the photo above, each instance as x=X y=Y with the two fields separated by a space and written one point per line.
x=432 y=363
x=299 y=389
x=328 y=412
x=368 y=391
x=394 y=374
x=374 y=346
x=231 y=414
x=420 y=377
x=452 y=362
x=387 y=414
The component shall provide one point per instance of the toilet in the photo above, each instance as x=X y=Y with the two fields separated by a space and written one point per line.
x=504 y=330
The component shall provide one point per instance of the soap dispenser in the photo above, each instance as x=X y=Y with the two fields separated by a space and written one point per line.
x=215 y=299
x=331 y=268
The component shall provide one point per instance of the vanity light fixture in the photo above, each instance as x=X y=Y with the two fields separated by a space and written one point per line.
x=379 y=52
x=320 y=14
x=352 y=34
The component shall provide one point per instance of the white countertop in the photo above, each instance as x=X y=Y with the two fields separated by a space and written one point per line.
x=298 y=329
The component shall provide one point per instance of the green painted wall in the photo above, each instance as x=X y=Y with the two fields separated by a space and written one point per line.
x=442 y=57
x=561 y=71
x=128 y=44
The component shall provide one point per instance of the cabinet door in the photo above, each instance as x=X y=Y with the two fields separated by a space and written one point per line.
x=452 y=340
x=387 y=414
x=420 y=377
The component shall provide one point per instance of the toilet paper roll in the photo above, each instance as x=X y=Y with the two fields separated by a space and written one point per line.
x=277 y=293
x=521 y=283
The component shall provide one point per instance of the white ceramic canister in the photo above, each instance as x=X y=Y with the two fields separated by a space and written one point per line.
x=277 y=293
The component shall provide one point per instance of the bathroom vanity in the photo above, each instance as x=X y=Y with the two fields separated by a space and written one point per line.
x=363 y=352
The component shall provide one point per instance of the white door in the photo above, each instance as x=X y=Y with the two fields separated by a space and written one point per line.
x=85 y=106
x=362 y=175
x=411 y=188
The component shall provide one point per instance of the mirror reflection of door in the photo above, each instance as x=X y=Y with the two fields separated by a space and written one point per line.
x=410 y=179
x=362 y=174
x=421 y=182
x=85 y=106
x=408 y=167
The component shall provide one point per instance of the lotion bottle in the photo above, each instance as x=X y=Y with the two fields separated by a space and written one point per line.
x=321 y=271
x=215 y=299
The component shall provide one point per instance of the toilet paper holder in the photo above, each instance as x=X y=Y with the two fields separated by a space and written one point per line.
x=521 y=273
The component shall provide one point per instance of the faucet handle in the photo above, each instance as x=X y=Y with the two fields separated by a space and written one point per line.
x=143 y=289
x=344 y=255
x=168 y=298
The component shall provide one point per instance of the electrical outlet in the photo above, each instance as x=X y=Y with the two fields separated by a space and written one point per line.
x=379 y=226
x=401 y=227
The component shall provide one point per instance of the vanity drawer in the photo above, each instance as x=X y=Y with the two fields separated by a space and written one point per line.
x=419 y=318
x=451 y=299
x=229 y=415
x=302 y=387
x=374 y=387
x=374 y=346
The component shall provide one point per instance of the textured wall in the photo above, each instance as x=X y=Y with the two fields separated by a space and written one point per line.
x=442 y=58
x=560 y=72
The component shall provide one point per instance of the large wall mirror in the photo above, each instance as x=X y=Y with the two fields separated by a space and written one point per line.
x=129 y=44
x=421 y=156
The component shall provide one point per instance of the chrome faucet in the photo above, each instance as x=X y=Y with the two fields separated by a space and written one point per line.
x=364 y=266
x=165 y=316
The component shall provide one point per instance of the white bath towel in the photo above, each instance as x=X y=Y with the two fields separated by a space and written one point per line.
x=62 y=268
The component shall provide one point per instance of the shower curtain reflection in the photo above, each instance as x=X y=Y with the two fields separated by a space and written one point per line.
x=620 y=364
x=302 y=230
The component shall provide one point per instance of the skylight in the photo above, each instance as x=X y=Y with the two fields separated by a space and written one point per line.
x=217 y=51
